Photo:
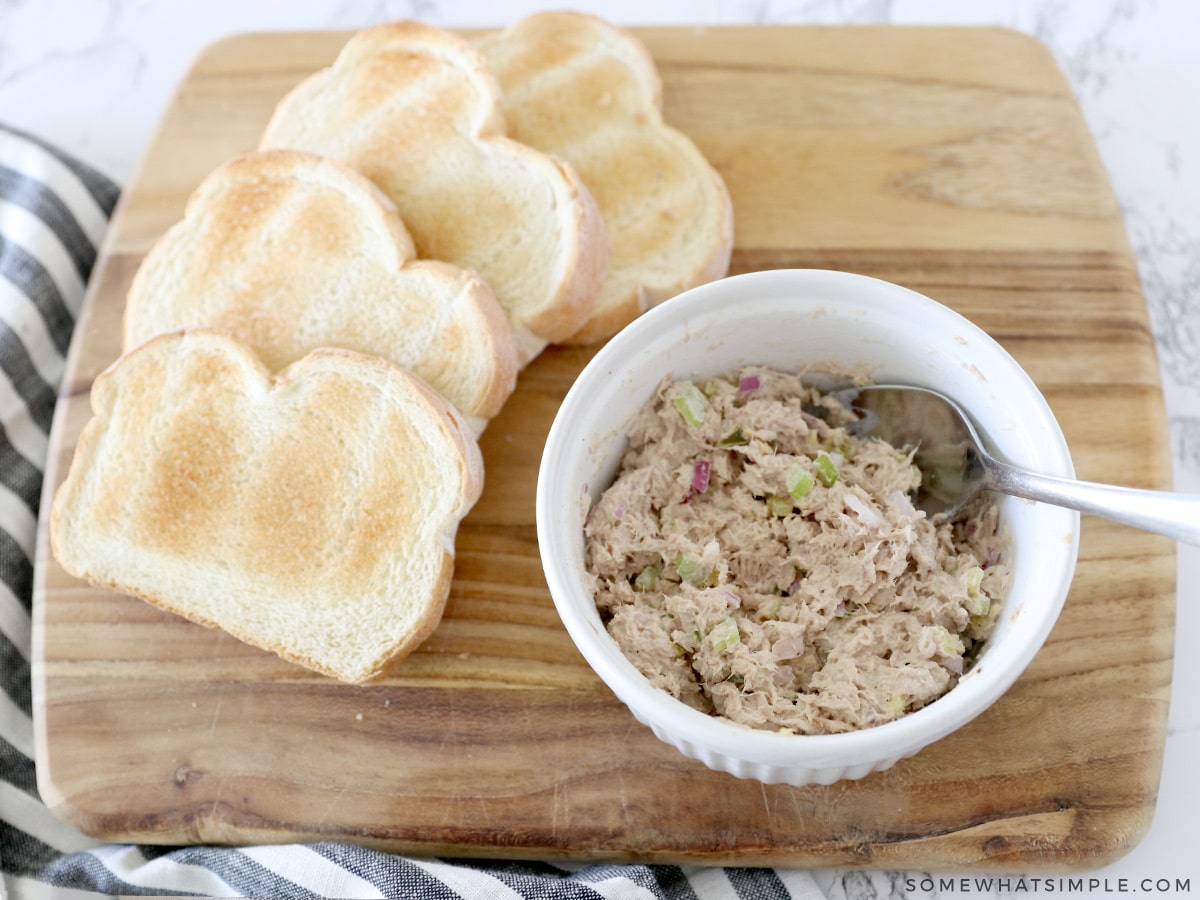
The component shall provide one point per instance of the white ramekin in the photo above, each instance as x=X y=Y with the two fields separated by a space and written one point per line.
x=790 y=319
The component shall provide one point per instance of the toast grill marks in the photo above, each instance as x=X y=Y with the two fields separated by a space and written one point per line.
x=416 y=110
x=291 y=252
x=580 y=89
x=311 y=514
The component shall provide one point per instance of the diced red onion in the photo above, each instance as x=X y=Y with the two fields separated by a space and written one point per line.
x=788 y=647
x=954 y=664
x=749 y=383
x=619 y=512
x=700 y=473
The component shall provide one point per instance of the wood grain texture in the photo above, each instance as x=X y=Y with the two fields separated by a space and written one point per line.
x=953 y=161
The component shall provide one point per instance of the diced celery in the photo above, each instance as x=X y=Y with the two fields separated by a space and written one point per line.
x=799 y=482
x=691 y=404
x=779 y=506
x=646 y=580
x=827 y=469
x=895 y=704
x=977 y=603
x=974 y=580
x=735 y=438
x=724 y=635
x=948 y=643
x=771 y=609
x=978 y=606
x=691 y=570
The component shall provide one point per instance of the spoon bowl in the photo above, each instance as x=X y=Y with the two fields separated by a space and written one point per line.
x=955 y=467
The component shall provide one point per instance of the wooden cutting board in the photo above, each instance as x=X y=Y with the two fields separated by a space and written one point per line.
x=953 y=161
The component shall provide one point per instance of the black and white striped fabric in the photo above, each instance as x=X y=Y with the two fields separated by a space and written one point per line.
x=53 y=213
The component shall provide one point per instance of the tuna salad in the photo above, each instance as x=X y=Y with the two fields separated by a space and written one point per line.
x=758 y=561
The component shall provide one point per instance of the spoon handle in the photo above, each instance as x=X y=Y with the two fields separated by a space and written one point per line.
x=1174 y=515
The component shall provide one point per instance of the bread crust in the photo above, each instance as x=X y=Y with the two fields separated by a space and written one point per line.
x=195 y=449
x=578 y=87
x=417 y=110
x=291 y=251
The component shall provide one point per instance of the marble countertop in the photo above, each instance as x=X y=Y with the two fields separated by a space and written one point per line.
x=93 y=77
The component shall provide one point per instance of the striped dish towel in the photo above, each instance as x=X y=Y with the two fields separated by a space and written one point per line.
x=53 y=213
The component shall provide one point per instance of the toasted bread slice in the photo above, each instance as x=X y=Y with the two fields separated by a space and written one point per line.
x=416 y=110
x=581 y=89
x=290 y=252
x=311 y=513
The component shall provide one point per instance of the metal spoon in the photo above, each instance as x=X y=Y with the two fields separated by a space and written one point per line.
x=955 y=467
